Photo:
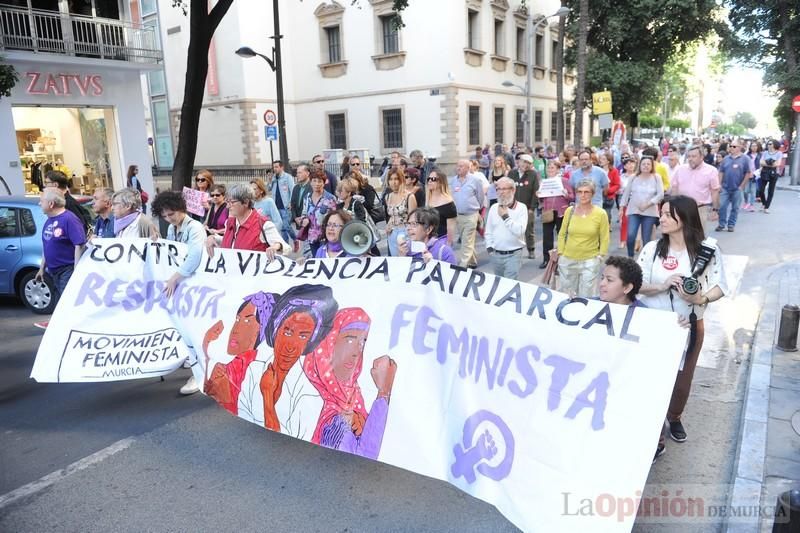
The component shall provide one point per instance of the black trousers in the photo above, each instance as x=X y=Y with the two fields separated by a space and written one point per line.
x=550 y=234
x=767 y=185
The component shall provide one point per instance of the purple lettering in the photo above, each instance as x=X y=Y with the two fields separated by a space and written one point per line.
x=92 y=282
x=562 y=370
x=599 y=386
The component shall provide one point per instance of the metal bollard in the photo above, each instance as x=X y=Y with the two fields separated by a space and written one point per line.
x=787 y=334
x=787 y=513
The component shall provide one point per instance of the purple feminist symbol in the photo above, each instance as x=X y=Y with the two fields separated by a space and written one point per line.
x=475 y=450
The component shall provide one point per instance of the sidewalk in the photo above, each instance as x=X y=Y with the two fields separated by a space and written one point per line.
x=768 y=458
x=784 y=183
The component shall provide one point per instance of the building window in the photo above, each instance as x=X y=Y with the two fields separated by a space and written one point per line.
x=334 y=44
x=499 y=49
x=391 y=42
x=568 y=126
x=473 y=30
x=499 y=124
x=539 y=50
x=392 y=128
x=338 y=131
x=553 y=125
x=554 y=55
x=474 y=124
x=537 y=126
x=519 y=126
x=520 y=45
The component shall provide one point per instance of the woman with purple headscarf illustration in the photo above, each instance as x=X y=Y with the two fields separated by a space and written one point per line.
x=300 y=319
x=224 y=381
x=333 y=368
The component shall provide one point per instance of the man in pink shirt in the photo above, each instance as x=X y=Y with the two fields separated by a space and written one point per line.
x=699 y=180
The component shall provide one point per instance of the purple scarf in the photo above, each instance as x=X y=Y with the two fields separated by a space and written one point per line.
x=123 y=222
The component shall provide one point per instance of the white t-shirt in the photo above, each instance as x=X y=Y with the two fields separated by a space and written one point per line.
x=656 y=270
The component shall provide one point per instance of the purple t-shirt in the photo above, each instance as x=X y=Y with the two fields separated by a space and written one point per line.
x=61 y=234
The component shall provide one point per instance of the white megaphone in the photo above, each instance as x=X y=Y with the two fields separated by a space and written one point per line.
x=356 y=238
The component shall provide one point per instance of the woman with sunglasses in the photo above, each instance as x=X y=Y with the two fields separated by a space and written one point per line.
x=333 y=223
x=640 y=200
x=439 y=198
x=218 y=213
x=203 y=182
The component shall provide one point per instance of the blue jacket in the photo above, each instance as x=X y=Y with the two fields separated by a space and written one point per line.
x=283 y=185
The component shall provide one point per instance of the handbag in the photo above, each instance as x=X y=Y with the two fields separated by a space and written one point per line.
x=548 y=216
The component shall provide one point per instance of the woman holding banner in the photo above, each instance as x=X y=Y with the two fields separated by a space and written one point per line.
x=666 y=263
x=344 y=423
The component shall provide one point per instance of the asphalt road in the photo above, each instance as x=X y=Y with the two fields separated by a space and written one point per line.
x=145 y=459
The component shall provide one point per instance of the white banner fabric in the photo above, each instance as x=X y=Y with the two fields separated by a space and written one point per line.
x=511 y=392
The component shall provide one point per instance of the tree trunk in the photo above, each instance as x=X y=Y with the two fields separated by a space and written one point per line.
x=202 y=25
x=580 y=86
x=560 y=141
x=791 y=61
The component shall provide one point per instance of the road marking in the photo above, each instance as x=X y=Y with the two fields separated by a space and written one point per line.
x=52 y=478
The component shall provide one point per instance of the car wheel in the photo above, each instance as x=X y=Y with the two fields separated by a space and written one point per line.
x=38 y=296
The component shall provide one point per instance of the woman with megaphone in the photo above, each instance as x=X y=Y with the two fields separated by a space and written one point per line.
x=423 y=240
x=332 y=225
x=351 y=201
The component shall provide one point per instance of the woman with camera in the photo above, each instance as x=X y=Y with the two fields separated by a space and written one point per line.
x=682 y=273
x=770 y=161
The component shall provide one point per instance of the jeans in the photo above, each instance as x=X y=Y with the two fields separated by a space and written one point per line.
x=286 y=229
x=766 y=189
x=634 y=221
x=506 y=265
x=530 y=231
x=750 y=192
x=729 y=199
x=549 y=231
x=60 y=277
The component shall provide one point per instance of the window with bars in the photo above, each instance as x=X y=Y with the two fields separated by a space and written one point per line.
x=334 y=44
x=520 y=45
x=391 y=40
x=473 y=33
x=537 y=126
x=499 y=124
x=499 y=49
x=338 y=131
x=568 y=126
x=474 y=124
x=553 y=125
x=519 y=126
x=392 y=128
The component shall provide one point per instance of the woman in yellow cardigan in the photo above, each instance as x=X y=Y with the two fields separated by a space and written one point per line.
x=582 y=244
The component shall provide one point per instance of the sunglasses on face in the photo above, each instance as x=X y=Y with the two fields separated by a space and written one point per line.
x=215 y=195
x=318 y=162
x=355 y=164
x=333 y=225
x=434 y=179
x=199 y=180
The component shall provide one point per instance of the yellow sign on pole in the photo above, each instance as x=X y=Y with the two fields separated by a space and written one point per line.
x=601 y=103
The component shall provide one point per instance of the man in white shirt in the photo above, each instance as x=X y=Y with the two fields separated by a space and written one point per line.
x=505 y=230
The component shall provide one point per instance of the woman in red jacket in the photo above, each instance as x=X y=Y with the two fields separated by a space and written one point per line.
x=606 y=161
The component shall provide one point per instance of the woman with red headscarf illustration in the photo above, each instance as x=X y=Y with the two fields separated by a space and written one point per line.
x=224 y=382
x=333 y=368
x=300 y=319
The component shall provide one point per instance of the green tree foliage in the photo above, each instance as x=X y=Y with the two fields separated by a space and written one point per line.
x=649 y=122
x=731 y=129
x=745 y=119
x=8 y=78
x=767 y=35
x=630 y=43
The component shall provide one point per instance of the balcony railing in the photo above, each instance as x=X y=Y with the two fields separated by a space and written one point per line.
x=75 y=35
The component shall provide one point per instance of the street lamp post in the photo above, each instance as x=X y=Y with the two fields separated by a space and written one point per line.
x=530 y=31
x=275 y=64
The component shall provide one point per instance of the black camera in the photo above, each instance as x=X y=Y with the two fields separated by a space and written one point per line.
x=707 y=249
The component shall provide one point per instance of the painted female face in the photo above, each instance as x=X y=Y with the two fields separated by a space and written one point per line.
x=347 y=353
x=333 y=229
x=244 y=332
x=293 y=335
x=317 y=185
x=612 y=289
x=669 y=224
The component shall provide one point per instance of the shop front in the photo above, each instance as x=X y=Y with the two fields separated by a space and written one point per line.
x=79 y=116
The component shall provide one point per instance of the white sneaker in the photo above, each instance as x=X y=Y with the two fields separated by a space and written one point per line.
x=191 y=387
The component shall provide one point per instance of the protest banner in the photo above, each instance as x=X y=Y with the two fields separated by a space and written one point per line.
x=513 y=393
x=550 y=187
x=195 y=200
